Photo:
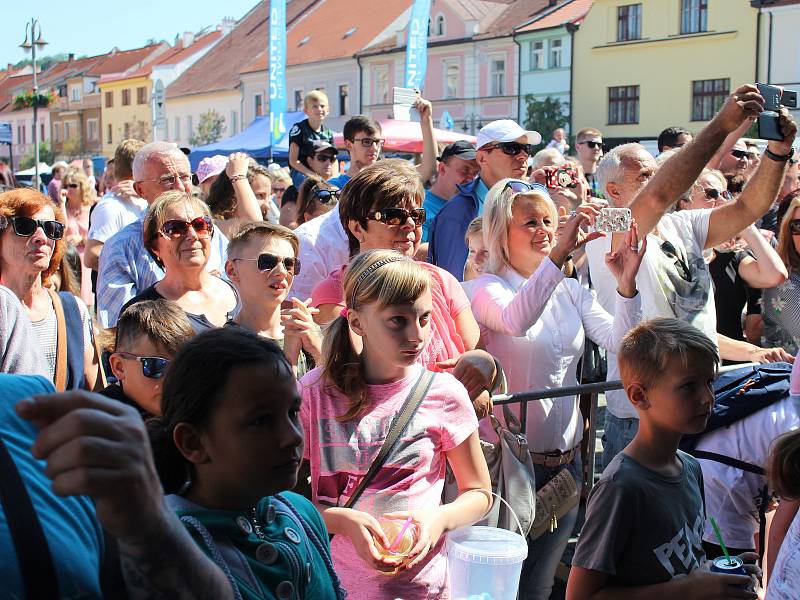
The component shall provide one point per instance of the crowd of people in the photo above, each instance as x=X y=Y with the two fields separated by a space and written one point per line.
x=236 y=382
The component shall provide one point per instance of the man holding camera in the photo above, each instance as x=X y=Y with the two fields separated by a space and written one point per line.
x=674 y=279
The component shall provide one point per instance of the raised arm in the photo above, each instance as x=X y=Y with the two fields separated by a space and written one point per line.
x=759 y=193
x=766 y=270
x=427 y=166
x=247 y=207
x=675 y=176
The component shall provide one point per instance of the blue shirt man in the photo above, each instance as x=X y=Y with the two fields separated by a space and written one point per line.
x=456 y=166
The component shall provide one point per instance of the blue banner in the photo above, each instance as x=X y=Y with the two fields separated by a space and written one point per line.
x=417 y=45
x=277 y=67
x=5 y=132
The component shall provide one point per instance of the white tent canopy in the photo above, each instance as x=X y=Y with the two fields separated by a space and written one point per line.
x=44 y=169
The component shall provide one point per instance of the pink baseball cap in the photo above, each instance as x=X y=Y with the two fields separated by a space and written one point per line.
x=211 y=166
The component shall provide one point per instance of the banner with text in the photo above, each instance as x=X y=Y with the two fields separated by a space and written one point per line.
x=417 y=44
x=277 y=68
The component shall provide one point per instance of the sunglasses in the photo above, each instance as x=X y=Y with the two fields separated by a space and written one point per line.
x=267 y=262
x=369 y=142
x=73 y=186
x=592 y=144
x=680 y=264
x=177 y=228
x=330 y=157
x=741 y=154
x=152 y=366
x=517 y=186
x=794 y=226
x=398 y=216
x=715 y=194
x=278 y=190
x=512 y=148
x=327 y=196
x=26 y=227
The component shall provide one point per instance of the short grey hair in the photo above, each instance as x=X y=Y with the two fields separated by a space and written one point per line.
x=148 y=151
x=609 y=169
x=496 y=217
x=547 y=157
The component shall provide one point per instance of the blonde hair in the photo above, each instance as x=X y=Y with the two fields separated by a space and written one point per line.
x=279 y=176
x=154 y=218
x=647 y=349
x=261 y=229
x=475 y=226
x=783 y=467
x=383 y=276
x=317 y=95
x=786 y=249
x=497 y=216
x=76 y=175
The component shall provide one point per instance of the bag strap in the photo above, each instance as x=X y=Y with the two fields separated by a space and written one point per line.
x=412 y=402
x=33 y=553
x=727 y=460
x=102 y=381
x=60 y=379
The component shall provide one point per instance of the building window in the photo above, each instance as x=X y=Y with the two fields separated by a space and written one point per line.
x=382 y=84
x=166 y=129
x=555 y=54
x=452 y=76
x=298 y=99
x=189 y=127
x=344 y=99
x=707 y=97
x=629 y=22
x=177 y=129
x=126 y=100
x=141 y=95
x=258 y=100
x=440 y=25
x=109 y=135
x=109 y=99
x=41 y=132
x=623 y=105
x=56 y=132
x=497 y=77
x=234 y=122
x=75 y=93
x=92 y=130
x=127 y=131
x=694 y=16
x=537 y=56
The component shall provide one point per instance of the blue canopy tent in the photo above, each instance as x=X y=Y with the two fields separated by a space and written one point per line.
x=255 y=140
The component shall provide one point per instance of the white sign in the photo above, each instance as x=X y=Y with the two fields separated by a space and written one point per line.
x=159 y=102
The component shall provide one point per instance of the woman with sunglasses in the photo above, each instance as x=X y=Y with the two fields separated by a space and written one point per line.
x=80 y=197
x=534 y=320
x=177 y=234
x=31 y=246
x=380 y=209
x=232 y=198
x=262 y=264
x=781 y=304
x=316 y=197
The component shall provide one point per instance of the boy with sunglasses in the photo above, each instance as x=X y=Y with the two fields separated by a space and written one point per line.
x=148 y=335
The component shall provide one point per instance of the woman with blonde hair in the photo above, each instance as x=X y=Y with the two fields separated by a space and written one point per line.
x=79 y=196
x=781 y=304
x=348 y=407
x=534 y=321
x=177 y=233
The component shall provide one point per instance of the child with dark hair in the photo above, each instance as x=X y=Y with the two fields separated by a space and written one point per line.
x=227 y=446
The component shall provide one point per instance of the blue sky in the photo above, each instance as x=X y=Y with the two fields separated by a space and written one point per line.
x=89 y=27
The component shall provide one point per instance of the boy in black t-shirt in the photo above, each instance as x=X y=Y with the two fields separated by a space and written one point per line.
x=645 y=517
x=303 y=134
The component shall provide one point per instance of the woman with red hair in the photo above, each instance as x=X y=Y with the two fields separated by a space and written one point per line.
x=31 y=247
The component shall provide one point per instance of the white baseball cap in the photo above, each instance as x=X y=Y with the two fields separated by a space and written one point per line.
x=506 y=130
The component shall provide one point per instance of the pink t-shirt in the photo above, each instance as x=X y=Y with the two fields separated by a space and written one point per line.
x=412 y=477
x=448 y=298
x=794 y=381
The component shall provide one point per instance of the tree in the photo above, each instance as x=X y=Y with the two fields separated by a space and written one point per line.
x=545 y=116
x=210 y=128
x=45 y=155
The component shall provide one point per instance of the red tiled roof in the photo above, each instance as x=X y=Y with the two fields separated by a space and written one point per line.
x=571 y=12
x=123 y=60
x=219 y=68
x=8 y=85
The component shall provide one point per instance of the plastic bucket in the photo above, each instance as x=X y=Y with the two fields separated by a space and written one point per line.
x=485 y=563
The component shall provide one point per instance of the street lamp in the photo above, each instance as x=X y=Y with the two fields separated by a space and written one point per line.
x=35 y=29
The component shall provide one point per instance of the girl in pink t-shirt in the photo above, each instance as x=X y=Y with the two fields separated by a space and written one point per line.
x=348 y=407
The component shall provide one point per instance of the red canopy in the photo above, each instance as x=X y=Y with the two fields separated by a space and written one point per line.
x=406 y=136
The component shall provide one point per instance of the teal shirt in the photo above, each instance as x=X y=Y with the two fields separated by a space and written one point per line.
x=280 y=561
x=481 y=192
x=432 y=205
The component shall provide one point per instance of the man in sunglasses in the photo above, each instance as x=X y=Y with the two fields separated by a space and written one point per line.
x=323 y=160
x=737 y=161
x=126 y=268
x=674 y=279
x=503 y=151
x=589 y=148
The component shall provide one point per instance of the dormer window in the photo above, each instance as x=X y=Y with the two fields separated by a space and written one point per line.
x=439 y=25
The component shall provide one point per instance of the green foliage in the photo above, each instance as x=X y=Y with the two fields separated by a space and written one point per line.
x=44 y=62
x=545 y=116
x=45 y=155
x=29 y=100
x=210 y=128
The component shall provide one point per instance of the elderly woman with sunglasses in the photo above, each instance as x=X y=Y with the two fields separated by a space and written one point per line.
x=380 y=209
x=31 y=246
x=177 y=233
x=315 y=198
x=534 y=321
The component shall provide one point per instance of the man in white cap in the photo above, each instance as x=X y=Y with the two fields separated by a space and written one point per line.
x=208 y=170
x=503 y=151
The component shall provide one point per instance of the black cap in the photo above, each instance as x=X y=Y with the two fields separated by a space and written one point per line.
x=460 y=149
x=322 y=146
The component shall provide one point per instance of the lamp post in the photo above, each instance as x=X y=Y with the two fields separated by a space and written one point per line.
x=36 y=41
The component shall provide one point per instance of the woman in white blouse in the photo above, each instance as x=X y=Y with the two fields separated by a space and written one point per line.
x=534 y=321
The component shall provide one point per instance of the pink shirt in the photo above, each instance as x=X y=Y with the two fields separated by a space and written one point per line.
x=794 y=381
x=412 y=477
x=449 y=300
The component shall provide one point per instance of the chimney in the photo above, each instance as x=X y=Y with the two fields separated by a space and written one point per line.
x=226 y=25
x=187 y=38
x=71 y=57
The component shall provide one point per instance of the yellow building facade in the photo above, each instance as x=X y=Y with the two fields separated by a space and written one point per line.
x=640 y=67
x=126 y=111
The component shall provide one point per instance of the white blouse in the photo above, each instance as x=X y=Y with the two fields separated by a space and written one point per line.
x=536 y=329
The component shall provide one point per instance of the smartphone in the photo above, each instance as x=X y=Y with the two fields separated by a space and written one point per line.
x=565 y=177
x=769 y=126
x=775 y=97
x=613 y=220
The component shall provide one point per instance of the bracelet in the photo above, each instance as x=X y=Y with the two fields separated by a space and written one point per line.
x=237 y=177
x=778 y=157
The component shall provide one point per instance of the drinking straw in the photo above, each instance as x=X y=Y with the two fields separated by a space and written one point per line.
x=400 y=534
x=719 y=539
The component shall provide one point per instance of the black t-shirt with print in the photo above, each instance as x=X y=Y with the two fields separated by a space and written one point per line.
x=302 y=135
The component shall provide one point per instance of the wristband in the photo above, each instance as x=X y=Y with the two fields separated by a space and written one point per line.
x=237 y=177
x=778 y=157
